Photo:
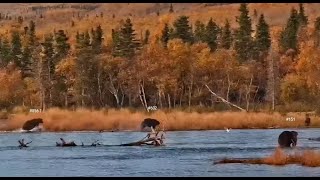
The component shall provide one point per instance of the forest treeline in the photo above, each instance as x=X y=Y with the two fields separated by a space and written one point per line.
x=243 y=66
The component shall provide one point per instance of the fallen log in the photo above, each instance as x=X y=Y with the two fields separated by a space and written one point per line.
x=139 y=143
x=223 y=100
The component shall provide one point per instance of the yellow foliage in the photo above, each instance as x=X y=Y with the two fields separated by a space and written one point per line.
x=11 y=87
x=308 y=66
x=294 y=88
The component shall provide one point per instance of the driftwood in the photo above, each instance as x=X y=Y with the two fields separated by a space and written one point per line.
x=223 y=100
x=139 y=143
x=66 y=144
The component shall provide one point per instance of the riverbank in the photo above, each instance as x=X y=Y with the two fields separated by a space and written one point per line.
x=309 y=158
x=124 y=119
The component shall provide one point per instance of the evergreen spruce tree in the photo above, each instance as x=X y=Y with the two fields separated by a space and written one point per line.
x=46 y=71
x=288 y=37
x=26 y=64
x=16 y=48
x=226 y=41
x=86 y=68
x=62 y=46
x=317 y=24
x=243 y=38
x=199 y=32
x=83 y=57
x=255 y=13
x=262 y=38
x=26 y=28
x=127 y=44
x=5 y=52
x=97 y=38
x=182 y=29
x=303 y=19
x=171 y=8
x=171 y=33
x=317 y=32
x=32 y=34
x=48 y=54
x=165 y=36
x=212 y=35
x=20 y=20
x=61 y=49
x=146 y=37
x=0 y=44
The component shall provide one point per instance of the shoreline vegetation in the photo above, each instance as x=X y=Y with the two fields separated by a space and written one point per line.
x=174 y=120
x=259 y=57
x=309 y=158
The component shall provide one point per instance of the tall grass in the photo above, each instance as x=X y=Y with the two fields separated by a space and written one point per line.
x=310 y=158
x=125 y=119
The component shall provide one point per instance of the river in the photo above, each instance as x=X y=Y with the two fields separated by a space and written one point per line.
x=186 y=153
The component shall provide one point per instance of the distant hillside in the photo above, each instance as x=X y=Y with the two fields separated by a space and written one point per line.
x=152 y=16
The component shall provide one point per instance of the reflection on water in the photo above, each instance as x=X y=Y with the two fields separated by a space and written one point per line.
x=185 y=154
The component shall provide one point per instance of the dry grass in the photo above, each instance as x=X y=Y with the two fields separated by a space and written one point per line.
x=308 y=158
x=124 y=119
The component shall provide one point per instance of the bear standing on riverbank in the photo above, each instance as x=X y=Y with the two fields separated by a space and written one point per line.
x=307 y=122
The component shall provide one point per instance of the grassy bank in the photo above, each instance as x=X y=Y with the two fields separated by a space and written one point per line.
x=309 y=158
x=124 y=119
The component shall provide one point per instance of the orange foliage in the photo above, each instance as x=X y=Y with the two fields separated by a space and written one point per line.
x=276 y=15
x=11 y=86
x=308 y=66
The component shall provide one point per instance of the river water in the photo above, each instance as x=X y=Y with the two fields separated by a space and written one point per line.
x=187 y=153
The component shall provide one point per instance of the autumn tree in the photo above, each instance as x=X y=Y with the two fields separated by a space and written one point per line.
x=183 y=63
x=12 y=90
x=294 y=89
x=308 y=70
x=273 y=78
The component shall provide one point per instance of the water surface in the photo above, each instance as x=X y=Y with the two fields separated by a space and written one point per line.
x=187 y=153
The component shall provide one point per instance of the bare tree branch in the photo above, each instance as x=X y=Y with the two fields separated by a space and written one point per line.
x=223 y=100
